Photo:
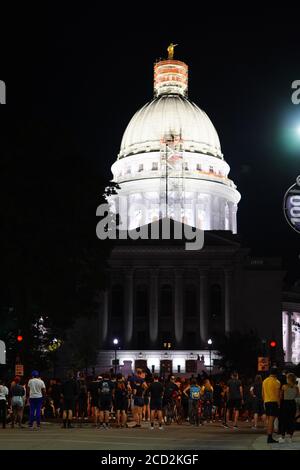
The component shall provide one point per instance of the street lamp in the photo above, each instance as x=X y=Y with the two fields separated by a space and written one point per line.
x=209 y=342
x=116 y=342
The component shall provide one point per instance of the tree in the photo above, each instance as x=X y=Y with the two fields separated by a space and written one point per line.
x=80 y=350
x=239 y=351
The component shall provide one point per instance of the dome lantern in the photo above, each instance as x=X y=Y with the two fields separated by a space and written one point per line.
x=170 y=76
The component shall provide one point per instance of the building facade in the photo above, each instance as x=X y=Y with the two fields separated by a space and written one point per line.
x=161 y=296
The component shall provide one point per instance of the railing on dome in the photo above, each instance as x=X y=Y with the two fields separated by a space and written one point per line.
x=172 y=175
x=193 y=174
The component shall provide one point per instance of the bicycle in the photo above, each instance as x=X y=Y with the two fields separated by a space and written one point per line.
x=170 y=412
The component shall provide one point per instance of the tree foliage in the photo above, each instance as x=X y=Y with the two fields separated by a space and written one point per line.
x=239 y=351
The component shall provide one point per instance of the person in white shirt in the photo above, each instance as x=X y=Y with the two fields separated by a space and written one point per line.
x=37 y=390
x=3 y=403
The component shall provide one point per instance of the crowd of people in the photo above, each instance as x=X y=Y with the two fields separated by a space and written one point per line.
x=112 y=399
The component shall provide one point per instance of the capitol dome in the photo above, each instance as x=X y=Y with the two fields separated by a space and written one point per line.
x=170 y=162
x=170 y=114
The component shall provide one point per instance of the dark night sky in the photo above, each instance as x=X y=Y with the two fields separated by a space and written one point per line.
x=91 y=70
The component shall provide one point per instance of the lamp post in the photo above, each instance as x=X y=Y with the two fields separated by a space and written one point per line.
x=209 y=342
x=116 y=342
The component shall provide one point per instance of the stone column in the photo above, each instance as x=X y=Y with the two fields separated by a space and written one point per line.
x=228 y=277
x=153 y=313
x=103 y=317
x=289 y=337
x=128 y=326
x=203 y=315
x=233 y=217
x=178 y=318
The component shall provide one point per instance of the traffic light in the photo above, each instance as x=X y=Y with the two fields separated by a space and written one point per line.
x=273 y=351
x=19 y=338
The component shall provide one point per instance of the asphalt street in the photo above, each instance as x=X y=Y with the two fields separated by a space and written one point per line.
x=211 y=436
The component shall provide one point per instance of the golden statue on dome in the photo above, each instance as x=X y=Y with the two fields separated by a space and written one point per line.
x=171 y=51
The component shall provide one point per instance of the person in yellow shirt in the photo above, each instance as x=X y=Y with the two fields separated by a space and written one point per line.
x=271 y=398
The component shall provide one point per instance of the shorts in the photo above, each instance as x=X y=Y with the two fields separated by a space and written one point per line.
x=138 y=401
x=17 y=402
x=105 y=405
x=234 y=404
x=94 y=402
x=121 y=404
x=68 y=404
x=272 y=408
x=156 y=405
x=146 y=401
x=258 y=407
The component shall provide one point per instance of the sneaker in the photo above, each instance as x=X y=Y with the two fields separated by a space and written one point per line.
x=289 y=439
x=151 y=428
x=281 y=440
x=271 y=441
x=225 y=426
x=235 y=427
x=254 y=427
x=161 y=428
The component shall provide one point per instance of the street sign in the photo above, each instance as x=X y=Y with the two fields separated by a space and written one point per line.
x=2 y=352
x=19 y=369
x=263 y=364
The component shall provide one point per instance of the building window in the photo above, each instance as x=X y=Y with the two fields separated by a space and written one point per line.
x=211 y=169
x=190 y=301
x=166 y=301
x=215 y=301
x=141 y=302
x=198 y=167
x=141 y=167
x=154 y=166
x=128 y=171
x=117 y=301
x=186 y=166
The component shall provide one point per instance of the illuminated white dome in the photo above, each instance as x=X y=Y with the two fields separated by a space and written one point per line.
x=170 y=162
x=170 y=114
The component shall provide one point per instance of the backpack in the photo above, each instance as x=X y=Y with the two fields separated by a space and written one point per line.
x=194 y=392
x=121 y=387
x=105 y=388
x=207 y=395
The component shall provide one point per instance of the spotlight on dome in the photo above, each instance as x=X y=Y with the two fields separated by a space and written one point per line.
x=298 y=130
